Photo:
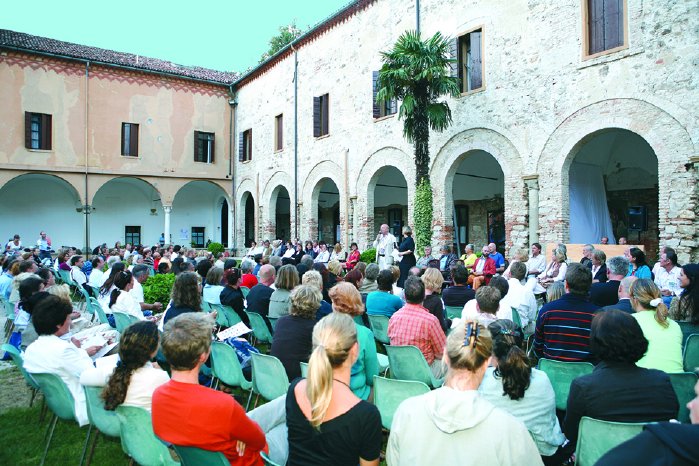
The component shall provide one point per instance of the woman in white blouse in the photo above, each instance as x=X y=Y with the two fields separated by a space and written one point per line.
x=120 y=300
x=555 y=271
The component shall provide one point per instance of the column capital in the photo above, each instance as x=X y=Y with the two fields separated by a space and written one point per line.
x=531 y=181
x=167 y=209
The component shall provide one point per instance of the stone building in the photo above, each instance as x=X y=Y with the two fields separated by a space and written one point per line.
x=98 y=146
x=605 y=90
x=573 y=113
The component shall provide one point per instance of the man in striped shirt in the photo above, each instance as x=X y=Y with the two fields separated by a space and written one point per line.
x=563 y=326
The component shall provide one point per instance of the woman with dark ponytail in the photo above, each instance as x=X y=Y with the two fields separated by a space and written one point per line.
x=108 y=286
x=135 y=379
x=120 y=300
x=525 y=392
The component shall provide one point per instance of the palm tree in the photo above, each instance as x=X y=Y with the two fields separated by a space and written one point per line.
x=417 y=72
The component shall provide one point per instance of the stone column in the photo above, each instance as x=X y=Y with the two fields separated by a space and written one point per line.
x=351 y=222
x=166 y=230
x=532 y=183
x=230 y=228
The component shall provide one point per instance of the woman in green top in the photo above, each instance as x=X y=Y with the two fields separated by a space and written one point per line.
x=287 y=280
x=664 y=335
x=347 y=300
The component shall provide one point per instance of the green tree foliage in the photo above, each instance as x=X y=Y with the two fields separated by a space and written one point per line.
x=368 y=256
x=158 y=288
x=215 y=248
x=416 y=72
x=287 y=34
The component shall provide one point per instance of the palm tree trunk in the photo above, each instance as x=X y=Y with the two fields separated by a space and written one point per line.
x=422 y=137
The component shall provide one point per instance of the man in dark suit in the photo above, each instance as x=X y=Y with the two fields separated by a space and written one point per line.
x=624 y=303
x=607 y=294
x=587 y=256
x=258 y=297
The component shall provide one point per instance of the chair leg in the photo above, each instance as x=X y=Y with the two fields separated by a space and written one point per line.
x=31 y=400
x=92 y=448
x=42 y=413
x=257 y=398
x=87 y=441
x=48 y=443
x=247 y=405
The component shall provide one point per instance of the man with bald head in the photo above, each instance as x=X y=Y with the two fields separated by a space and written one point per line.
x=258 y=298
x=624 y=303
x=497 y=258
x=384 y=243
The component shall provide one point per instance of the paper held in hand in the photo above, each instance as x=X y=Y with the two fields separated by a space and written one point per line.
x=232 y=332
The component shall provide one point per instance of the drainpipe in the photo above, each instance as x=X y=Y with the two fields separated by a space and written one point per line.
x=296 y=142
x=87 y=208
x=417 y=16
x=233 y=103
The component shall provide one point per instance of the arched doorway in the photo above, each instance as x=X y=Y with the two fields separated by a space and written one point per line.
x=613 y=190
x=127 y=210
x=390 y=200
x=281 y=213
x=224 y=222
x=478 y=189
x=328 y=211
x=196 y=214
x=36 y=201
x=248 y=219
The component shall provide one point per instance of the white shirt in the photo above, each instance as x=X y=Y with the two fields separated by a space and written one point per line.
x=103 y=299
x=323 y=257
x=212 y=293
x=78 y=275
x=384 y=244
x=522 y=299
x=137 y=292
x=97 y=278
x=219 y=263
x=125 y=303
x=13 y=247
x=536 y=263
x=142 y=384
x=51 y=354
x=669 y=280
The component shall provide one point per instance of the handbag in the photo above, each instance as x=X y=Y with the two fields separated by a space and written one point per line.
x=394 y=254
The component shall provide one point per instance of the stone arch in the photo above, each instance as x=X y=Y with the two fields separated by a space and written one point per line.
x=311 y=192
x=445 y=166
x=196 y=209
x=671 y=144
x=278 y=180
x=369 y=174
x=98 y=182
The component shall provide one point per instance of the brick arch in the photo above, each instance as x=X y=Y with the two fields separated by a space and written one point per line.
x=671 y=144
x=369 y=174
x=444 y=168
x=74 y=183
x=97 y=182
x=279 y=179
x=245 y=188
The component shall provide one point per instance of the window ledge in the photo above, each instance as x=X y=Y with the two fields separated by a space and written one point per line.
x=135 y=157
x=41 y=151
x=384 y=118
x=474 y=91
x=245 y=161
x=205 y=163
x=609 y=56
x=279 y=151
x=323 y=136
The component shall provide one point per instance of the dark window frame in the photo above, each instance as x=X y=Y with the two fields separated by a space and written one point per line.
x=469 y=67
x=604 y=27
x=381 y=109
x=198 y=237
x=204 y=147
x=132 y=234
x=245 y=145
x=38 y=129
x=279 y=132
x=321 y=115
x=129 y=139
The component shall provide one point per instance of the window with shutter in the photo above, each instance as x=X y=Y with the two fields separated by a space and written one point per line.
x=204 y=147
x=37 y=131
x=279 y=132
x=129 y=139
x=245 y=146
x=605 y=25
x=470 y=60
x=381 y=109
x=321 y=108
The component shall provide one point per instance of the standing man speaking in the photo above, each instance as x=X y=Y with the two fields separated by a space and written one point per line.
x=385 y=243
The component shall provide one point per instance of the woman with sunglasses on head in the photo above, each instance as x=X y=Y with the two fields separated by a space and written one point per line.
x=454 y=424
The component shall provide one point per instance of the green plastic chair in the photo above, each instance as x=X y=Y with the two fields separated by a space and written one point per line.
x=138 y=439
x=18 y=361
x=390 y=393
x=123 y=320
x=102 y=420
x=221 y=317
x=516 y=318
x=60 y=401
x=267 y=460
x=273 y=322
x=384 y=363
x=206 y=306
x=232 y=317
x=408 y=363
x=245 y=290
x=97 y=309
x=9 y=310
x=683 y=384
x=690 y=355
x=269 y=378
x=595 y=438
x=453 y=311
x=259 y=328
x=304 y=369
x=193 y=456
x=688 y=329
x=379 y=327
x=225 y=367
x=561 y=374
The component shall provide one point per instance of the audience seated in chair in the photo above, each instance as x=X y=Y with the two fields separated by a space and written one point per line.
x=458 y=294
x=483 y=270
x=433 y=302
x=383 y=302
x=685 y=308
x=606 y=293
x=624 y=303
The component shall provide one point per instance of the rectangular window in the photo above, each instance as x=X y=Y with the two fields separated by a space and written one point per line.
x=279 y=132
x=321 y=107
x=605 y=25
x=381 y=109
x=198 y=237
x=203 y=147
x=37 y=131
x=470 y=60
x=129 y=139
x=245 y=146
x=132 y=235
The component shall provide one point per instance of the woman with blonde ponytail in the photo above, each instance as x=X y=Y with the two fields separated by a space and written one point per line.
x=327 y=423
x=663 y=334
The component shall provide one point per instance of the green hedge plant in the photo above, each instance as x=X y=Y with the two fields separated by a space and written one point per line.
x=158 y=288
x=368 y=256
x=215 y=248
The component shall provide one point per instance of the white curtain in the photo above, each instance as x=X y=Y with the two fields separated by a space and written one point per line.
x=589 y=214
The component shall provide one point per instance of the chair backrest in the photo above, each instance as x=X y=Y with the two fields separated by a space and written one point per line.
x=259 y=327
x=97 y=308
x=408 y=363
x=596 y=438
x=206 y=306
x=106 y=421
x=516 y=318
x=123 y=320
x=691 y=353
x=138 y=439
x=221 y=317
x=561 y=374
x=232 y=316
x=226 y=366
x=379 y=327
x=304 y=369
x=688 y=329
x=389 y=393
x=683 y=384
x=273 y=322
x=57 y=396
x=245 y=290
x=9 y=309
x=453 y=311
x=193 y=456
x=269 y=378
x=18 y=360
